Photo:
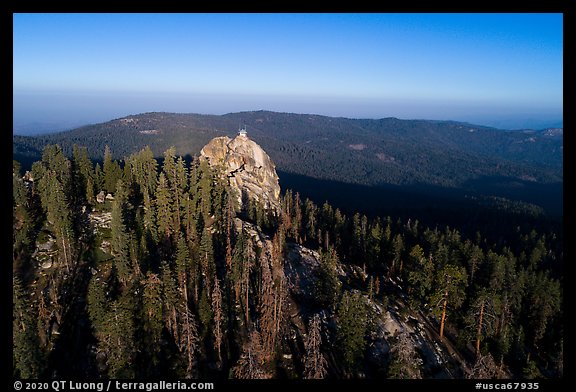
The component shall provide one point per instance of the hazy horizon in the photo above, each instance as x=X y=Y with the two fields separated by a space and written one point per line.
x=488 y=69
x=52 y=122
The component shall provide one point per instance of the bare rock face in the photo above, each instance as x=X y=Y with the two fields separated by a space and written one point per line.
x=250 y=171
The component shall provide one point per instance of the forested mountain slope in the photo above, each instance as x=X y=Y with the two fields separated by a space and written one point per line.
x=417 y=153
x=138 y=269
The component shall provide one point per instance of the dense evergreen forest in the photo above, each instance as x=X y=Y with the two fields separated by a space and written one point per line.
x=432 y=157
x=136 y=269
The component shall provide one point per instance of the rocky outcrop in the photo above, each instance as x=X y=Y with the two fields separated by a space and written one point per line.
x=250 y=171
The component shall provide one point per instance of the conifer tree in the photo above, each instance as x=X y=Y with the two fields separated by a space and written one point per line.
x=118 y=338
x=111 y=171
x=120 y=236
x=450 y=284
x=481 y=317
x=55 y=203
x=163 y=208
x=327 y=284
x=177 y=181
x=421 y=275
x=183 y=265
x=152 y=319
x=207 y=264
x=171 y=298
x=27 y=355
x=84 y=173
x=351 y=328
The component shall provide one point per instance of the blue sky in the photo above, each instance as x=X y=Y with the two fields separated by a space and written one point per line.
x=495 y=69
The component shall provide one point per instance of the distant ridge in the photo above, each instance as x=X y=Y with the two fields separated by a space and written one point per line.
x=388 y=151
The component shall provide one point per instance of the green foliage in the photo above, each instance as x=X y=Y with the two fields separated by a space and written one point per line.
x=207 y=264
x=543 y=301
x=111 y=171
x=118 y=339
x=23 y=215
x=531 y=371
x=205 y=311
x=152 y=316
x=120 y=235
x=422 y=272
x=83 y=174
x=97 y=303
x=450 y=284
x=327 y=285
x=369 y=151
x=174 y=243
x=27 y=356
x=58 y=212
x=351 y=328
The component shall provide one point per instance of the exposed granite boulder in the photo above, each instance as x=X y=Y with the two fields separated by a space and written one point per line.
x=250 y=171
x=100 y=197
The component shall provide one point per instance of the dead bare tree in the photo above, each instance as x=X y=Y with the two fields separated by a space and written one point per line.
x=315 y=365
x=218 y=316
x=249 y=366
x=188 y=337
x=405 y=362
x=485 y=368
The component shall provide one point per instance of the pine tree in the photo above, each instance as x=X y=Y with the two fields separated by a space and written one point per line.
x=183 y=265
x=205 y=312
x=152 y=316
x=450 y=284
x=398 y=249
x=474 y=256
x=144 y=173
x=373 y=246
x=55 y=203
x=207 y=264
x=310 y=213
x=177 y=180
x=113 y=325
x=204 y=193
x=22 y=217
x=327 y=285
x=98 y=305
x=118 y=338
x=111 y=171
x=297 y=220
x=84 y=181
x=351 y=328
x=171 y=298
x=98 y=178
x=152 y=305
x=120 y=236
x=543 y=304
x=27 y=356
x=421 y=275
x=163 y=208
x=481 y=317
